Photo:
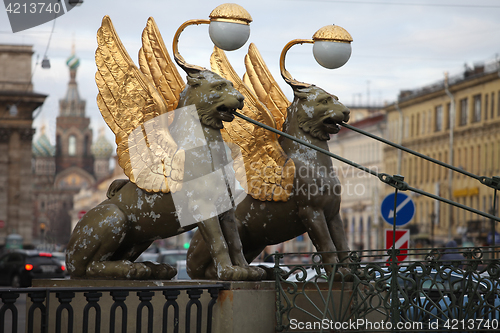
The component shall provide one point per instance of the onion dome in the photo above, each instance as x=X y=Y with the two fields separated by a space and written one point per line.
x=72 y=104
x=73 y=62
x=102 y=148
x=42 y=146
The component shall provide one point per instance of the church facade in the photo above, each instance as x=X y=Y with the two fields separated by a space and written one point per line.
x=63 y=170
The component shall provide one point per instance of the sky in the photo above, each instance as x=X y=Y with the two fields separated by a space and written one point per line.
x=397 y=44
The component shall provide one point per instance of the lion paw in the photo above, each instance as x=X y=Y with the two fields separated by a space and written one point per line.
x=232 y=273
x=138 y=271
x=256 y=273
x=161 y=271
x=239 y=273
x=343 y=274
x=120 y=269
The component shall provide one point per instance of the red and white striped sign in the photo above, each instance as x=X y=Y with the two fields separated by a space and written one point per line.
x=402 y=242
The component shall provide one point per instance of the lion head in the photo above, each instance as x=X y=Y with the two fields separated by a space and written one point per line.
x=215 y=98
x=318 y=112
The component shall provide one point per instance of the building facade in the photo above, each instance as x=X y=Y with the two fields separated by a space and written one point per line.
x=18 y=103
x=468 y=107
x=361 y=192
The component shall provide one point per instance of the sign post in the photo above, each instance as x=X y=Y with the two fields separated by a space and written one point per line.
x=397 y=214
x=81 y=213
x=402 y=242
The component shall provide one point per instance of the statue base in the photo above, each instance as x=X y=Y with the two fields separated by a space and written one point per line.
x=242 y=307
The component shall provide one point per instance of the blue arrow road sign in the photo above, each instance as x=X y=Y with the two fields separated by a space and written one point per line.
x=405 y=209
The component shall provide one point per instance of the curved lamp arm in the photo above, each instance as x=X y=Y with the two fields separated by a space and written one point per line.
x=229 y=30
x=284 y=73
x=175 y=45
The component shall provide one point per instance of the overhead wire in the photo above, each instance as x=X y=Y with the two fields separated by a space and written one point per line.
x=405 y=4
x=40 y=108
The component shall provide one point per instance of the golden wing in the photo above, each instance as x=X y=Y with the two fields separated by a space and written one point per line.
x=155 y=64
x=259 y=78
x=136 y=113
x=261 y=166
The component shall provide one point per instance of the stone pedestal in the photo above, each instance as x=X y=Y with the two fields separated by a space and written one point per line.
x=241 y=307
x=246 y=307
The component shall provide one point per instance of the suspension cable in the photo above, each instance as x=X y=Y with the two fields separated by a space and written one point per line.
x=490 y=182
x=394 y=181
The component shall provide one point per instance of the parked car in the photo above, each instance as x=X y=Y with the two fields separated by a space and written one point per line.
x=151 y=254
x=61 y=258
x=181 y=271
x=19 y=268
x=444 y=294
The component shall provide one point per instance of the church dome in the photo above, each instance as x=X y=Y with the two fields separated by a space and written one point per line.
x=73 y=61
x=102 y=148
x=42 y=146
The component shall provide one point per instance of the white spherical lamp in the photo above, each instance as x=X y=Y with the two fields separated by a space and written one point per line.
x=332 y=46
x=229 y=26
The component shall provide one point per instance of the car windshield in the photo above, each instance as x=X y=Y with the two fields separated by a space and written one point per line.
x=447 y=281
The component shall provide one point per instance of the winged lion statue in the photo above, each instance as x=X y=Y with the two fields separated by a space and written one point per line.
x=169 y=144
x=291 y=188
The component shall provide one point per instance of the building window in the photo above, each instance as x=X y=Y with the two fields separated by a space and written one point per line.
x=463 y=112
x=422 y=126
x=445 y=159
x=369 y=228
x=492 y=105
x=498 y=104
x=86 y=146
x=412 y=126
x=72 y=146
x=485 y=106
x=438 y=118
x=58 y=145
x=477 y=167
x=492 y=157
x=447 y=116
x=429 y=121
x=361 y=232
x=477 y=109
x=406 y=127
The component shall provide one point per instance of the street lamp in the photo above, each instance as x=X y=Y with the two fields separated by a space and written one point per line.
x=46 y=63
x=331 y=49
x=229 y=30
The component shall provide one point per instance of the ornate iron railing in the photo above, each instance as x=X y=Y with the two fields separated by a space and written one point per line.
x=428 y=291
x=433 y=294
x=58 y=309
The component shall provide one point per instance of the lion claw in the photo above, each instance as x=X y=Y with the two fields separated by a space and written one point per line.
x=161 y=271
x=240 y=273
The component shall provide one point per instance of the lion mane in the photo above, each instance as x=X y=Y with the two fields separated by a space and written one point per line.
x=210 y=92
